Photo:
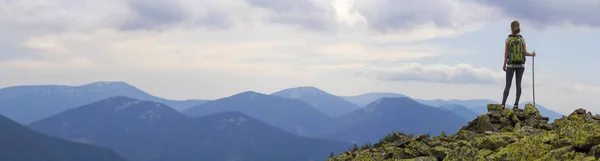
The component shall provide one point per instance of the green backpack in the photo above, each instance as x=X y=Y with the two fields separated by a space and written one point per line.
x=515 y=50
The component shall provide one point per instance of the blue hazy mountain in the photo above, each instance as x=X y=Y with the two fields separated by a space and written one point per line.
x=477 y=105
x=544 y=111
x=148 y=131
x=235 y=136
x=18 y=143
x=26 y=104
x=291 y=115
x=364 y=99
x=327 y=103
x=131 y=127
x=461 y=110
x=403 y=114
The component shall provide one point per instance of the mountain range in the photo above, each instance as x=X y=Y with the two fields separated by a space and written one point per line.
x=291 y=115
x=474 y=105
x=19 y=143
x=147 y=131
x=364 y=99
x=461 y=110
x=26 y=104
x=142 y=127
x=387 y=115
x=327 y=103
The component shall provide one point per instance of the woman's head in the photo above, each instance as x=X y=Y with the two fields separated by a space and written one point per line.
x=515 y=27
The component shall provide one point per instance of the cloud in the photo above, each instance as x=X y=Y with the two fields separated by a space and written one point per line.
x=154 y=13
x=438 y=73
x=399 y=15
x=550 y=12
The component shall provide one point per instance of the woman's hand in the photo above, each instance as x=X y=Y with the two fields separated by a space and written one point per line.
x=504 y=67
x=533 y=53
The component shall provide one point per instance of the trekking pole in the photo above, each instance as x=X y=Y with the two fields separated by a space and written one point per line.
x=533 y=78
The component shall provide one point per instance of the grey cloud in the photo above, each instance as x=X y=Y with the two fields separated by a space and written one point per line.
x=380 y=15
x=215 y=20
x=304 y=13
x=155 y=14
x=284 y=6
x=550 y=12
x=385 y=15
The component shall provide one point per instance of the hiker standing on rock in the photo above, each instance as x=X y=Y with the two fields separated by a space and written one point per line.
x=515 y=51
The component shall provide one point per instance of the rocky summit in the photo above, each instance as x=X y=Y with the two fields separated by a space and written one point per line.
x=502 y=134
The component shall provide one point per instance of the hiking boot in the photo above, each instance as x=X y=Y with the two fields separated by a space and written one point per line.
x=516 y=107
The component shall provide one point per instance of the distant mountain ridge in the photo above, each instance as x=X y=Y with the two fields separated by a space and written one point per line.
x=476 y=105
x=148 y=131
x=292 y=115
x=395 y=114
x=364 y=99
x=18 y=143
x=327 y=103
x=461 y=110
x=26 y=104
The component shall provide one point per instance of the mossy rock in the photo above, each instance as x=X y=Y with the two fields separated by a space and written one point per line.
x=566 y=153
x=433 y=142
x=494 y=108
x=528 y=148
x=523 y=135
x=594 y=151
x=440 y=152
x=483 y=124
x=507 y=112
x=462 y=153
x=495 y=141
x=423 y=158
x=531 y=110
x=484 y=153
x=465 y=135
x=577 y=132
x=420 y=148
x=507 y=129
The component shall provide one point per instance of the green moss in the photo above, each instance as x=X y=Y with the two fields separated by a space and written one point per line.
x=507 y=112
x=531 y=110
x=563 y=153
x=462 y=153
x=495 y=141
x=440 y=152
x=483 y=153
x=515 y=119
x=528 y=148
x=494 y=108
x=420 y=148
x=574 y=130
x=522 y=135
x=507 y=129
x=483 y=124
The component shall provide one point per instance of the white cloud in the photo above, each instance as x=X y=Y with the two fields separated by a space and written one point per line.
x=438 y=73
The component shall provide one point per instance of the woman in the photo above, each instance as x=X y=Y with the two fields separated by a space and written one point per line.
x=514 y=45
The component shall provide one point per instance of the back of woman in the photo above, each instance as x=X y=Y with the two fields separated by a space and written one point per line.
x=515 y=52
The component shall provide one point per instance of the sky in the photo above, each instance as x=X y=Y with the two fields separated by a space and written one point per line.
x=209 y=49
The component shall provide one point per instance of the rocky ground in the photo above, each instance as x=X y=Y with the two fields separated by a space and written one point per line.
x=499 y=135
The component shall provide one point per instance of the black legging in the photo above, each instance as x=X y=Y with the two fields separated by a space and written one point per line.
x=509 y=75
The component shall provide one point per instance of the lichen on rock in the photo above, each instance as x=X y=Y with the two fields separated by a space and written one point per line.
x=501 y=134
